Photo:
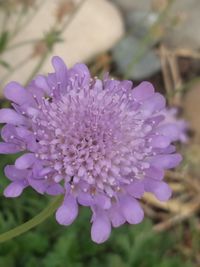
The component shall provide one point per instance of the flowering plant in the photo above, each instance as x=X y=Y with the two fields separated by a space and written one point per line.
x=99 y=143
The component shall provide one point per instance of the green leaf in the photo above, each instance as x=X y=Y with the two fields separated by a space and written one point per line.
x=3 y=41
x=4 y=64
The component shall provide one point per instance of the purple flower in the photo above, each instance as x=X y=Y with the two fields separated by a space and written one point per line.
x=101 y=143
x=179 y=126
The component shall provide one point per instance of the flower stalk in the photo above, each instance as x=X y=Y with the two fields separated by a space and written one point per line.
x=41 y=217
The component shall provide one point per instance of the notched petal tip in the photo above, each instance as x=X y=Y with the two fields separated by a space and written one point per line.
x=131 y=210
x=160 y=189
x=116 y=217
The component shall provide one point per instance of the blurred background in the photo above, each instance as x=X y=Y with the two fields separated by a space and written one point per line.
x=154 y=40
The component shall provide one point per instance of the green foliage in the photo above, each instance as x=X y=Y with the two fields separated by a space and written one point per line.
x=51 y=38
x=52 y=245
x=3 y=40
x=4 y=64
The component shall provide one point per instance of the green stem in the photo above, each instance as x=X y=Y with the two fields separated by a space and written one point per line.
x=14 y=68
x=38 y=66
x=5 y=17
x=17 y=23
x=27 y=21
x=42 y=216
x=23 y=43
x=72 y=16
x=46 y=54
x=147 y=40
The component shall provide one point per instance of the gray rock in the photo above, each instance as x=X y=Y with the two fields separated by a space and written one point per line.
x=130 y=5
x=133 y=60
x=182 y=23
x=139 y=23
x=186 y=34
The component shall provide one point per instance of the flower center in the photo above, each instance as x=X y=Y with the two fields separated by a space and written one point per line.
x=82 y=140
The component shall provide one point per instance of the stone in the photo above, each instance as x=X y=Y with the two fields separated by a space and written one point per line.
x=186 y=32
x=96 y=27
x=134 y=61
x=130 y=5
x=181 y=24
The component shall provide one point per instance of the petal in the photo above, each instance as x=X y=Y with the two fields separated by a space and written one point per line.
x=168 y=150
x=85 y=199
x=166 y=161
x=131 y=210
x=160 y=189
x=14 y=189
x=8 y=148
x=98 y=87
x=153 y=104
x=39 y=185
x=32 y=112
x=21 y=135
x=55 y=189
x=44 y=171
x=170 y=130
x=136 y=189
x=51 y=80
x=16 y=93
x=101 y=228
x=23 y=132
x=111 y=84
x=82 y=70
x=154 y=173
x=37 y=168
x=41 y=82
x=80 y=73
x=60 y=68
x=7 y=131
x=14 y=174
x=143 y=91
x=81 y=171
x=126 y=85
x=31 y=143
x=116 y=217
x=25 y=161
x=159 y=141
x=18 y=135
x=35 y=92
x=12 y=117
x=102 y=201
x=155 y=121
x=68 y=211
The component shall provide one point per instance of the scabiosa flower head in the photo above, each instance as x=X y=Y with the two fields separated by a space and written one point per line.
x=101 y=143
